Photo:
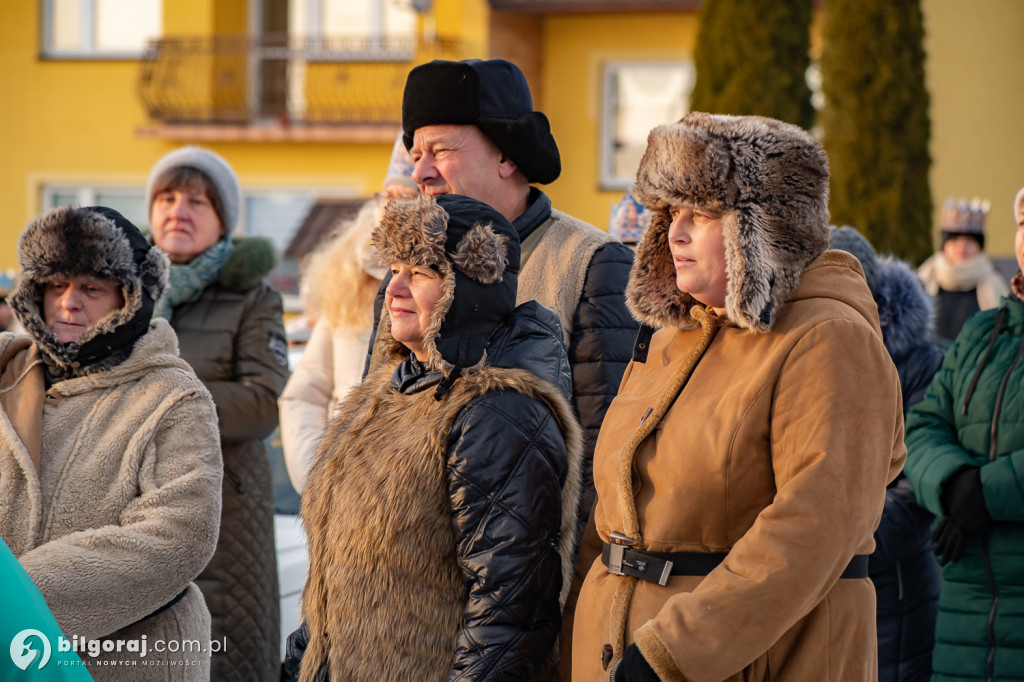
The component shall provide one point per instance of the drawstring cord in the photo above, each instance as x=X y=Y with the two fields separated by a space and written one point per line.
x=21 y=376
x=1000 y=316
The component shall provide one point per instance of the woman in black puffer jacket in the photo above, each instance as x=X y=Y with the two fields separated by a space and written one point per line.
x=903 y=567
x=457 y=464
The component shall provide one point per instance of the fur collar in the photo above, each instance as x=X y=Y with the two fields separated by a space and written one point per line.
x=905 y=310
x=252 y=259
x=770 y=181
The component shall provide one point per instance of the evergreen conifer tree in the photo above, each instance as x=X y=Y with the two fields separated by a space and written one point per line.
x=875 y=122
x=751 y=57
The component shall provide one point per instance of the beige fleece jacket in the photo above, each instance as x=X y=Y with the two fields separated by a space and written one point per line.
x=124 y=509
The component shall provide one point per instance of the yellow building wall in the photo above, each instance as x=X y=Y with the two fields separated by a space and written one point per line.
x=465 y=20
x=975 y=56
x=576 y=48
x=76 y=122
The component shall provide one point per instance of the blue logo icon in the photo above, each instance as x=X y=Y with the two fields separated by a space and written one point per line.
x=22 y=652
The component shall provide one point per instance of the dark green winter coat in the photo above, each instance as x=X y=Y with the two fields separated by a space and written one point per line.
x=980 y=629
x=233 y=336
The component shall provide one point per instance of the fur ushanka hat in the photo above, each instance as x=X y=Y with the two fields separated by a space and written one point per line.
x=491 y=94
x=770 y=181
x=476 y=251
x=94 y=241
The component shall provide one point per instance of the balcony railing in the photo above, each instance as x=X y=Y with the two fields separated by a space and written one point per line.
x=275 y=78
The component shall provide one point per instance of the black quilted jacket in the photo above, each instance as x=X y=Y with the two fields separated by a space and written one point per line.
x=506 y=467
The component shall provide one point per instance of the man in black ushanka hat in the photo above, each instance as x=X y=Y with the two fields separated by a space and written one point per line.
x=471 y=129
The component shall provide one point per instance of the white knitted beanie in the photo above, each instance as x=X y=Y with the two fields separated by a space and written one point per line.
x=223 y=177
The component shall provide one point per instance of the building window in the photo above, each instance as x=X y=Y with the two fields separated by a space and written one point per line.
x=638 y=96
x=100 y=28
x=372 y=19
x=269 y=213
x=276 y=215
x=128 y=201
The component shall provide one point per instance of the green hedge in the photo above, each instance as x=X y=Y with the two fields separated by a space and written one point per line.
x=752 y=56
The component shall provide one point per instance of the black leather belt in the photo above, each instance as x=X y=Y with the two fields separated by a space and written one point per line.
x=656 y=567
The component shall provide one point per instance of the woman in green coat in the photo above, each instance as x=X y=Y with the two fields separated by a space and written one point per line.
x=965 y=460
x=229 y=327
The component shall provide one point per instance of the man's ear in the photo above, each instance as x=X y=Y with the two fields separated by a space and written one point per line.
x=506 y=166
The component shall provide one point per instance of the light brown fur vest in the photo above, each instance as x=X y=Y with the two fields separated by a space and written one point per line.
x=384 y=597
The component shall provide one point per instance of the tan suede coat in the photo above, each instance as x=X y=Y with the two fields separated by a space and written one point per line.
x=774 y=447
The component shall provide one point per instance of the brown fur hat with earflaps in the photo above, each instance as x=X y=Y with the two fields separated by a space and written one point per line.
x=476 y=251
x=770 y=181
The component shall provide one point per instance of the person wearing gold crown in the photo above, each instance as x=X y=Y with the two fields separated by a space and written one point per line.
x=960 y=276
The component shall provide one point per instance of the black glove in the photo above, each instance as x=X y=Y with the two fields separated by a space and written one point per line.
x=949 y=540
x=633 y=667
x=295 y=649
x=964 y=500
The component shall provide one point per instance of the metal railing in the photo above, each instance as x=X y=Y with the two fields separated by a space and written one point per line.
x=253 y=80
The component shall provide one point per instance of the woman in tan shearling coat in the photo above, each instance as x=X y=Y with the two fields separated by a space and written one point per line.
x=753 y=435
x=110 y=466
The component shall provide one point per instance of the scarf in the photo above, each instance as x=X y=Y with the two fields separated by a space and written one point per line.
x=978 y=273
x=187 y=282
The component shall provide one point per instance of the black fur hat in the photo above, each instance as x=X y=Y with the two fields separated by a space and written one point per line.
x=100 y=242
x=476 y=251
x=491 y=94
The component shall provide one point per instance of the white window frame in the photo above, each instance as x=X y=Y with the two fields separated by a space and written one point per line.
x=86 y=33
x=314 y=18
x=607 y=179
x=85 y=194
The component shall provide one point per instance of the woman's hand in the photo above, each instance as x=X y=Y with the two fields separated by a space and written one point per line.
x=949 y=541
x=964 y=501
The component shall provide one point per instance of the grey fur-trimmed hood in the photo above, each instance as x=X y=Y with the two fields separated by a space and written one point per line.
x=68 y=242
x=476 y=251
x=770 y=181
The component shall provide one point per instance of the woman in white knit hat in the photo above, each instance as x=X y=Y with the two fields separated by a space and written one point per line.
x=228 y=321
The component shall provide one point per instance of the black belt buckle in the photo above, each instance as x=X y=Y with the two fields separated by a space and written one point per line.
x=625 y=561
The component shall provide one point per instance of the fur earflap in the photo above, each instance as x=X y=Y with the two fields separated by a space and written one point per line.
x=770 y=181
x=481 y=254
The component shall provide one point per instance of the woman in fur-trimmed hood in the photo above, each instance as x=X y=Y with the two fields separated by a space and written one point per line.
x=753 y=435
x=902 y=568
x=110 y=466
x=457 y=463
